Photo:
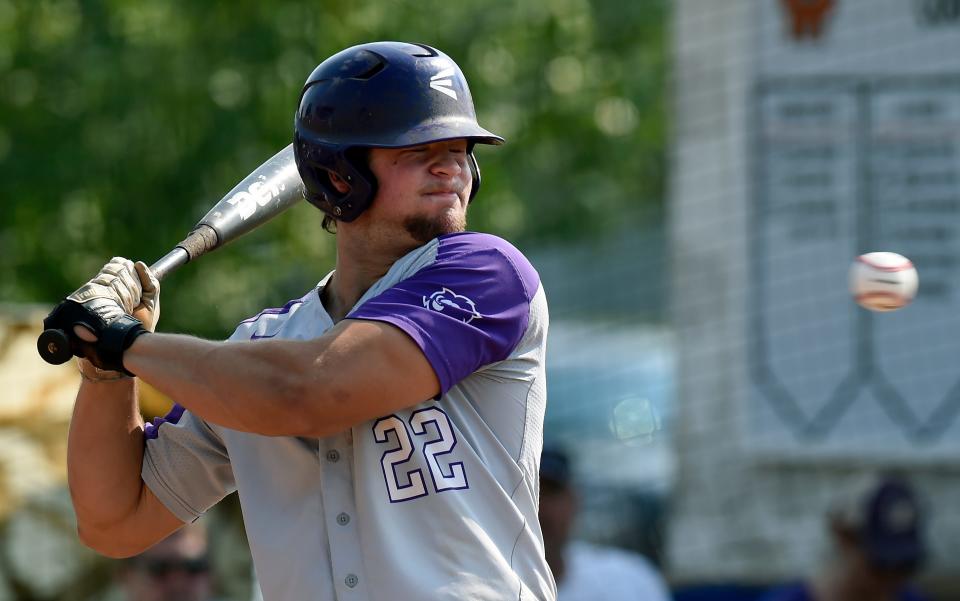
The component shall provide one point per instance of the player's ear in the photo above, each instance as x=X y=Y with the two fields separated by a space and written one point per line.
x=338 y=182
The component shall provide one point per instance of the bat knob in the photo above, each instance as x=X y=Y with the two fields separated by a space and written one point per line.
x=54 y=346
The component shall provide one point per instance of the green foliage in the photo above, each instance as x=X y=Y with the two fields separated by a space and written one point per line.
x=121 y=121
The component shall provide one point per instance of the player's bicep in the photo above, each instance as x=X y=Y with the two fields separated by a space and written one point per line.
x=372 y=368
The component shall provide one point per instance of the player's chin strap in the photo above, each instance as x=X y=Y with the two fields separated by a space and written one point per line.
x=113 y=337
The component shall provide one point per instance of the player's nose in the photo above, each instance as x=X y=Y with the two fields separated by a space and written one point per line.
x=446 y=163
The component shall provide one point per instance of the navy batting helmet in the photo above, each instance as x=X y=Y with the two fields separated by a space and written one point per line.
x=378 y=95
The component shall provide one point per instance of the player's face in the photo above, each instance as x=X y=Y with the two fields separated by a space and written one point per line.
x=424 y=189
x=167 y=574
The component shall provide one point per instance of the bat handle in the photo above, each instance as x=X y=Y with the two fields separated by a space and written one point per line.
x=202 y=239
x=54 y=343
x=169 y=262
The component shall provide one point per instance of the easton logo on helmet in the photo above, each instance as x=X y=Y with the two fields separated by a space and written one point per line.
x=444 y=299
x=441 y=82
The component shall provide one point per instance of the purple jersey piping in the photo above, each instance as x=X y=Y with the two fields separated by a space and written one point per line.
x=152 y=430
x=275 y=311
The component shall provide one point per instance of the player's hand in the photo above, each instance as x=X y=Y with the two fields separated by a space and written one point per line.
x=121 y=288
x=115 y=290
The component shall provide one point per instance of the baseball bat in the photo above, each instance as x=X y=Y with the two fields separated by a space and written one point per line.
x=268 y=191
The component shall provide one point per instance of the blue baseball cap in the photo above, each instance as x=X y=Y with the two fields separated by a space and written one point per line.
x=887 y=518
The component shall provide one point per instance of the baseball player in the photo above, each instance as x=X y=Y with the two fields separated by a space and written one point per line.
x=383 y=431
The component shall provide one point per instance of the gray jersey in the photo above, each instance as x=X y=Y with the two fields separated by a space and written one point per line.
x=437 y=501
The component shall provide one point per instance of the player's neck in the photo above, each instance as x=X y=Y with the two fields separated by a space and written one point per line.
x=365 y=252
x=343 y=290
x=352 y=277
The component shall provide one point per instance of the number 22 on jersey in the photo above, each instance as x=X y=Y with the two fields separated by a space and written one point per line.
x=431 y=428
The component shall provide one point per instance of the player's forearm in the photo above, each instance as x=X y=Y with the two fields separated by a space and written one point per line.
x=250 y=387
x=104 y=455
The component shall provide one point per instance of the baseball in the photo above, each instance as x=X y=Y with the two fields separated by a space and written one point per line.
x=883 y=281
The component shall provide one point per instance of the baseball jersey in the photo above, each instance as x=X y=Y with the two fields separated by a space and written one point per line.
x=437 y=501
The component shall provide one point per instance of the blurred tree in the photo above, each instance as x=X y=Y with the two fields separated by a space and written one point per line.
x=122 y=120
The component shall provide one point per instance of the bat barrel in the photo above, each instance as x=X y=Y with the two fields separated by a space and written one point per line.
x=268 y=191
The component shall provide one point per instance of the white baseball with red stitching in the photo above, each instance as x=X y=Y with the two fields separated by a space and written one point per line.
x=883 y=281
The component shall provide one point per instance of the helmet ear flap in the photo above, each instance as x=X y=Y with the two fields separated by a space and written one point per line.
x=316 y=162
x=475 y=172
x=363 y=187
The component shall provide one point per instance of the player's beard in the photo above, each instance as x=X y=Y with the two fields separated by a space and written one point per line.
x=424 y=228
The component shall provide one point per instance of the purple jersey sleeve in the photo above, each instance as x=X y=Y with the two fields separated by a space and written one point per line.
x=467 y=309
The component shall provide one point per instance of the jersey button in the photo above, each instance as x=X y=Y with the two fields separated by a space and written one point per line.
x=351 y=580
x=343 y=519
x=333 y=455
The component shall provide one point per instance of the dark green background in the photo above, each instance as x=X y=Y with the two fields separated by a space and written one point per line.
x=122 y=122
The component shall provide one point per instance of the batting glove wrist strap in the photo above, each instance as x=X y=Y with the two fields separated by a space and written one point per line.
x=114 y=340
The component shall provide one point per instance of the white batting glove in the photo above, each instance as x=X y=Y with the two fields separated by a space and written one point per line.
x=117 y=285
x=120 y=287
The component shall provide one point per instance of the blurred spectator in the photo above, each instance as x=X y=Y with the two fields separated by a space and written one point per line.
x=878 y=543
x=585 y=571
x=175 y=569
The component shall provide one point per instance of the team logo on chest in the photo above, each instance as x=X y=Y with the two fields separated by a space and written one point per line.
x=456 y=305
